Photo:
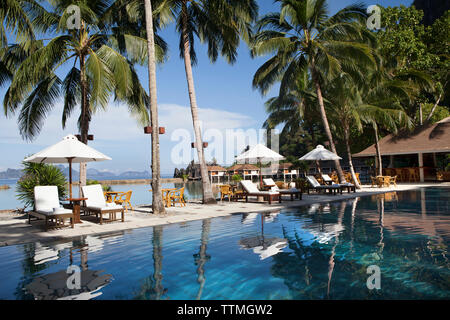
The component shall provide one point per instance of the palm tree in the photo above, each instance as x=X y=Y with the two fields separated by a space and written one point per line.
x=219 y=23
x=20 y=17
x=304 y=38
x=354 y=105
x=157 y=203
x=98 y=71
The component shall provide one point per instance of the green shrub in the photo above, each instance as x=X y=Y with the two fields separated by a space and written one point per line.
x=39 y=174
x=237 y=178
x=105 y=187
x=301 y=183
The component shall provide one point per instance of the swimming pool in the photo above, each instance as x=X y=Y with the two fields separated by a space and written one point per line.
x=311 y=252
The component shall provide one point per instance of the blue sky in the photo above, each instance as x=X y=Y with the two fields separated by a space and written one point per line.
x=224 y=94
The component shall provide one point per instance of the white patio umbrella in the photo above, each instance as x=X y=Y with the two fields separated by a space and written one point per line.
x=260 y=153
x=69 y=150
x=320 y=154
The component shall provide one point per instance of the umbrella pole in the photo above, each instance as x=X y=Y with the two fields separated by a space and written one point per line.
x=262 y=231
x=319 y=169
x=260 y=174
x=70 y=177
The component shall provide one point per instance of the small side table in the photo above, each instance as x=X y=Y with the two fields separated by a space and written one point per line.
x=76 y=202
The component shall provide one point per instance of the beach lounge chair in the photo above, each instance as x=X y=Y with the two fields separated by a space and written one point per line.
x=349 y=186
x=97 y=204
x=250 y=190
x=48 y=208
x=293 y=192
x=327 y=179
x=316 y=186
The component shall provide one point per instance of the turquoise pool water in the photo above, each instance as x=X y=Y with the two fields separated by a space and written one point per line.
x=311 y=252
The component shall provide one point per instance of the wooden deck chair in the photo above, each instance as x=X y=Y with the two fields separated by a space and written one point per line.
x=48 y=208
x=251 y=190
x=176 y=196
x=226 y=191
x=97 y=204
x=293 y=192
x=123 y=199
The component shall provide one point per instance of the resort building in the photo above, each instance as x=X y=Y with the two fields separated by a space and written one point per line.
x=246 y=171
x=414 y=156
x=287 y=171
x=217 y=174
x=282 y=171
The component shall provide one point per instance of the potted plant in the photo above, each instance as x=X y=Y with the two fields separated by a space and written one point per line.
x=236 y=178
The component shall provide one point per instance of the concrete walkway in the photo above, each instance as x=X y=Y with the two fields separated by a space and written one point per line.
x=14 y=228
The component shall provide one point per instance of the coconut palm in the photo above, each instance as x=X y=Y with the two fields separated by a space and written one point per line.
x=220 y=24
x=95 y=71
x=304 y=38
x=157 y=203
x=295 y=109
x=354 y=106
x=20 y=17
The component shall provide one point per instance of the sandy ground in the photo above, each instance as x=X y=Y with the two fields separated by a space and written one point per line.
x=14 y=227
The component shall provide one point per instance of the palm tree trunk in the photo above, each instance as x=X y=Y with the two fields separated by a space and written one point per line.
x=208 y=197
x=326 y=125
x=157 y=259
x=434 y=108
x=377 y=150
x=157 y=203
x=85 y=117
x=349 y=155
x=202 y=256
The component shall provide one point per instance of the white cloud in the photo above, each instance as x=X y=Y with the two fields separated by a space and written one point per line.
x=173 y=116
x=117 y=133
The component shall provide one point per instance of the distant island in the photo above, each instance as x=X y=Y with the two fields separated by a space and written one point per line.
x=92 y=174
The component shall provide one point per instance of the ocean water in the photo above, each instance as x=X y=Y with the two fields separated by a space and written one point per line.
x=322 y=251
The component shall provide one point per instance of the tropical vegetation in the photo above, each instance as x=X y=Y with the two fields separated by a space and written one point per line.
x=39 y=174
x=364 y=84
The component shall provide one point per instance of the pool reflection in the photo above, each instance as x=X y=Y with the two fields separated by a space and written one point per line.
x=320 y=251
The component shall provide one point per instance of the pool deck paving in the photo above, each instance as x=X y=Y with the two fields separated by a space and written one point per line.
x=14 y=228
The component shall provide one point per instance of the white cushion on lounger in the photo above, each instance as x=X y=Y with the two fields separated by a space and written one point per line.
x=347 y=184
x=105 y=207
x=54 y=211
x=326 y=178
x=269 y=182
x=112 y=205
x=94 y=195
x=61 y=211
x=251 y=188
x=46 y=198
x=313 y=181
x=289 y=190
